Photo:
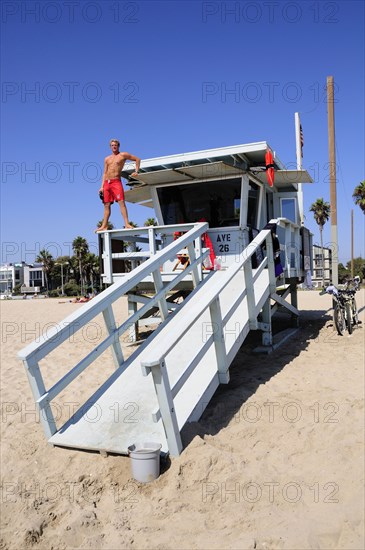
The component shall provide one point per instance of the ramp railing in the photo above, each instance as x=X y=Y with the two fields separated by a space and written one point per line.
x=36 y=351
x=246 y=278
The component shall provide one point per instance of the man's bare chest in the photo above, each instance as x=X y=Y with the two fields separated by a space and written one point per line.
x=115 y=163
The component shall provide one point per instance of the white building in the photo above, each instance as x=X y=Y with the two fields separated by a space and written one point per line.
x=9 y=277
x=322 y=265
x=30 y=276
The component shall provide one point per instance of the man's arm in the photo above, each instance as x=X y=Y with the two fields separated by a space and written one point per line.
x=104 y=176
x=137 y=160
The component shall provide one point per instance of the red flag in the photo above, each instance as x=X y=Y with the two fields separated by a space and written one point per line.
x=269 y=167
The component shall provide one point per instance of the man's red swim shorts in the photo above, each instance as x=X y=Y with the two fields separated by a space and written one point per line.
x=113 y=190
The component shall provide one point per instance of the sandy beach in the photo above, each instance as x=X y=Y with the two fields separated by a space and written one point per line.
x=275 y=462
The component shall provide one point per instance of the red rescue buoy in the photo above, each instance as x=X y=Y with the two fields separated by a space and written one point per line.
x=269 y=167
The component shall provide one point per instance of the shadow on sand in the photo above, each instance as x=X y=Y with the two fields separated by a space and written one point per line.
x=249 y=370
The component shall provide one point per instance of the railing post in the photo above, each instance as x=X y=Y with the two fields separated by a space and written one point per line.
x=288 y=249
x=294 y=300
x=111 y=327
x=151 y=240
x=162 y=305
x=38 y=389
x=271 y=263
x=198 y=254
x=195 y=272
x=266 y=323
x=133 y=329
x=219 y=343
x=107 y=258
x=247 y=269
x=157 y=274
x=166 y=405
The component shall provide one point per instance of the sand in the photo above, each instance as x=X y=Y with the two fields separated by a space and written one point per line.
x=276 y=461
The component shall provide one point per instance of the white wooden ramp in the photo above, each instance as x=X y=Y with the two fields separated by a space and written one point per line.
x=125 y=407
x=171 y=378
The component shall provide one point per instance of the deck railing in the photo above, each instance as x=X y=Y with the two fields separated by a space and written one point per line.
x=155 y=237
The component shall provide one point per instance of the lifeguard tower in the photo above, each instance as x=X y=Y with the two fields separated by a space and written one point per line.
x=228 y=250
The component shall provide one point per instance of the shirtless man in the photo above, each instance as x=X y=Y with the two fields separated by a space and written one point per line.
x=112 y=184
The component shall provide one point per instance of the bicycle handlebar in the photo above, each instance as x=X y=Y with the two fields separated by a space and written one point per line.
x=332 y=289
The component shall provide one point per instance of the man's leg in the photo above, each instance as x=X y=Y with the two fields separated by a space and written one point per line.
x=104 y=224
x=124 y=213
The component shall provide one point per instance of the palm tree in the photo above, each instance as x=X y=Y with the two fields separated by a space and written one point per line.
x=359 y=195
x=91 y=268
x=61 y=270
x=110 y=225
x=321 y=212
x=80 y=248
x=150 y=221
x=46 y=259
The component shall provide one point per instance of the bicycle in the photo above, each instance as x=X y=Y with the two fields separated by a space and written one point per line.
x=345 y=314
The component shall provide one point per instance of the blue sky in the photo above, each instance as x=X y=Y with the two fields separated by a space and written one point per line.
x=158 y=76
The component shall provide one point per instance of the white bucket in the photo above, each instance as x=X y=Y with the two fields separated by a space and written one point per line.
x=145 y=461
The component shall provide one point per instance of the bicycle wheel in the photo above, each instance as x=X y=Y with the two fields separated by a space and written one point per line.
x=349 y=317
x=339 y=317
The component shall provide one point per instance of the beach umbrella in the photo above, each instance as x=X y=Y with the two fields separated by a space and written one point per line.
x=269 y=167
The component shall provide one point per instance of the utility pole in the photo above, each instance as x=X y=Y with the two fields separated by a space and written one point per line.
x=332 y=167
x=352 y=243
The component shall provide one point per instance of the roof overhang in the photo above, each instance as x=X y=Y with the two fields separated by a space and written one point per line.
x=141 y=192
x=190 y=173
x=250 y=154
x=225 y=162
x=286 y=178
